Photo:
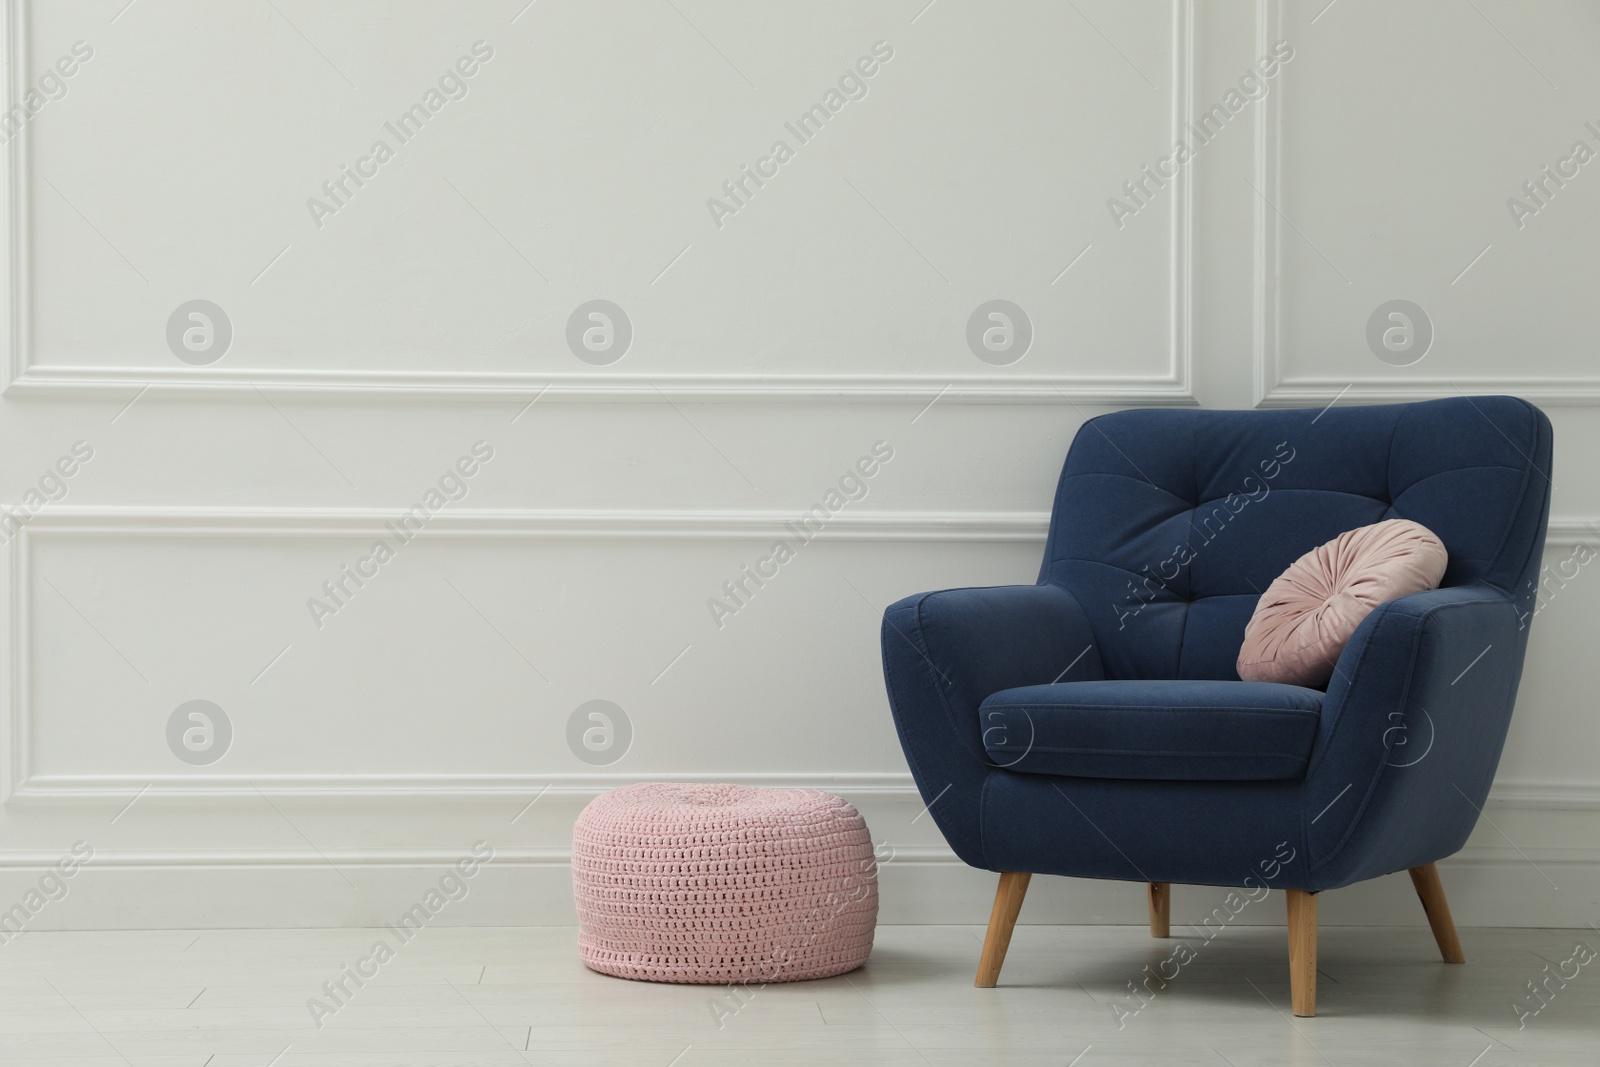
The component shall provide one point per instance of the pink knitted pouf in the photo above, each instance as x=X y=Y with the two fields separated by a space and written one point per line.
x=723 y=883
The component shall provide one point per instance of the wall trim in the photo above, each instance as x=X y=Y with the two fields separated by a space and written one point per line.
x=888 y=787
x=636 y=524
x=13 y=217
x=1570 y=533
x=25 y=378
x=586 y=523
x=891 y=786
x=24 y=786
x=561 y=856
x=534 y=888
x=37 y=381
x=405 y=858
x=1306 y=392
x=1272 y=388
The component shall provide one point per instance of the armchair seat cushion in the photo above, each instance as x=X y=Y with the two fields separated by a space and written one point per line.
x=1154 y=729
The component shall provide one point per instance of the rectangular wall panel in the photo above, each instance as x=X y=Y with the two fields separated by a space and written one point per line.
x=993 y=153
x=1466 y=156
x=356 y=214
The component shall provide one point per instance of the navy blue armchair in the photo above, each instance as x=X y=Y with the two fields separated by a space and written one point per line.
x=1094 y=724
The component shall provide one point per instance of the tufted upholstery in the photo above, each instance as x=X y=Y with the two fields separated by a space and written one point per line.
x=1167 y=525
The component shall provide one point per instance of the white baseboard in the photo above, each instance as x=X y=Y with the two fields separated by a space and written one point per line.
x=1497 y=893
x=533 y=887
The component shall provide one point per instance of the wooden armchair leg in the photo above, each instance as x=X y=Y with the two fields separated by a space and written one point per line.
x=1002 y=919
x=1160 y=909
x=1303 y=952
x=1431 y=890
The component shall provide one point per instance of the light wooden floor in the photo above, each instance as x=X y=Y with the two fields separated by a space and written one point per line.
x=514 y=996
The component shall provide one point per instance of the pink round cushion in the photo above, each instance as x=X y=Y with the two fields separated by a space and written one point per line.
x=1306 y=617
x=723 y=883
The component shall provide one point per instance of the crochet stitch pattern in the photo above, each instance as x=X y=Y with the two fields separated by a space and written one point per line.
x=723 y=883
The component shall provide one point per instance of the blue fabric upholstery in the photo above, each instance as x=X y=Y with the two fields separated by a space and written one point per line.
x=1183 y=730
x=1166 y=526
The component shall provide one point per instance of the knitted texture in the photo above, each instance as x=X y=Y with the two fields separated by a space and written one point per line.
x=723 y=883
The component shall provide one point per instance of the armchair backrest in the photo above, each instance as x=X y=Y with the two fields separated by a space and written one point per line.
x=1169 y=523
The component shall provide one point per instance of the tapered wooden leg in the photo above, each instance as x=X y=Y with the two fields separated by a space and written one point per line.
x=1007 y=905
x=1303 y=952
x=1431 y=890
x=1160 y=909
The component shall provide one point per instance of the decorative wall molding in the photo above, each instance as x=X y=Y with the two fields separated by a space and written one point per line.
x=923 y=882
x=24 y=786
x=406 y=858
x=1276 y=392
x=27 y=378
x=886 y=787
x=1272 y=388
x=529 y=887
x=1569 y=533
x=584 y=523
x=561 y=856
x=890 y=786
x=36 y=381
x=1546 y=796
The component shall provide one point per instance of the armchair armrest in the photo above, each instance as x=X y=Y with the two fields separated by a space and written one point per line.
x=1412 y=728
x=943 y=653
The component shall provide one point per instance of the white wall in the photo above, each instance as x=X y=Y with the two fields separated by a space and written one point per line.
x=373 y=345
